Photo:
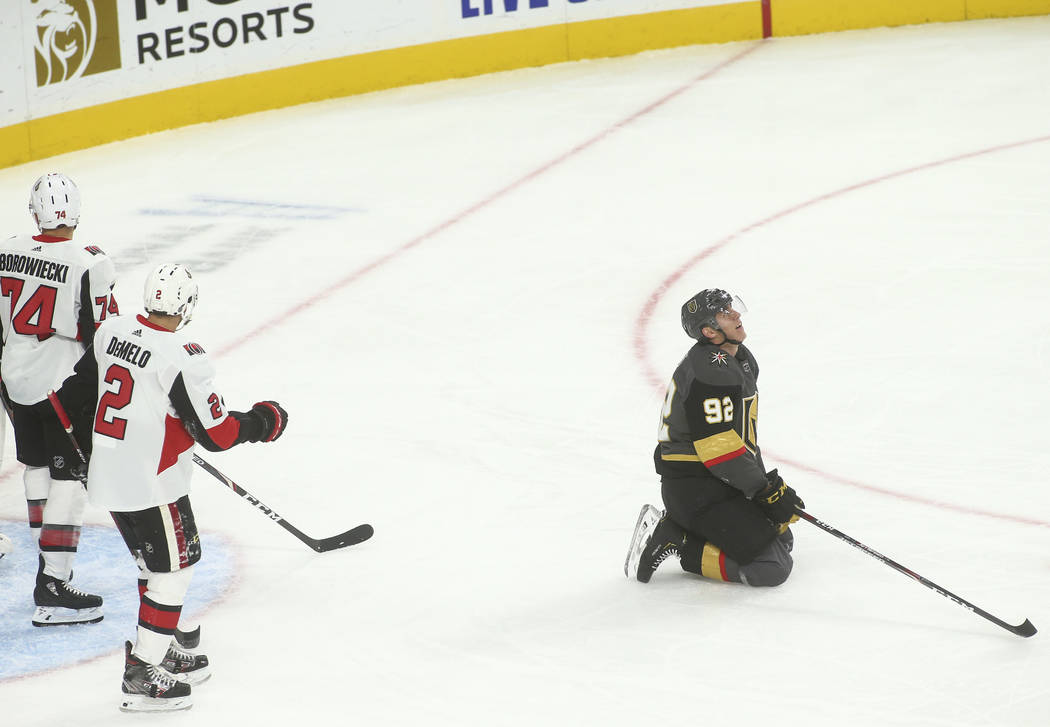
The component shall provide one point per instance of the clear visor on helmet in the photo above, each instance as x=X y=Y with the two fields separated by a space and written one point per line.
x=737 y=305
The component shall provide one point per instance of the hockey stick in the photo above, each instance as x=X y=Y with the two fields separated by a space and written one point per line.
x=1025 y=629
x=350 y=537
x=67 y=424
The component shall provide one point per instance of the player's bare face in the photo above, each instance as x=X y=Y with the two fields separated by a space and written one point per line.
x=731 y=325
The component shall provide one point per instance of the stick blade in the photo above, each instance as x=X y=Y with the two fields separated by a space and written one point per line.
x=353 y=536
x=1026 y=629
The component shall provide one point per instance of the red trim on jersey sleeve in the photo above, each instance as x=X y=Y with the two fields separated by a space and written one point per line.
x=724 y=457
x=176 y=441
x=225 y=435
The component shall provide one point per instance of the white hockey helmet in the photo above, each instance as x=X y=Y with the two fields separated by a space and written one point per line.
x=171 y=290
x=54 y=201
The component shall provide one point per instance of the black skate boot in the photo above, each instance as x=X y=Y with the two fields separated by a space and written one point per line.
x=149 y=688
x=656 y=538
x=59 y=603
x=184 y=666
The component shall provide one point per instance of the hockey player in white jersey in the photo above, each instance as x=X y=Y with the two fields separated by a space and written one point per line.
x=156 y=397
x=57 y=291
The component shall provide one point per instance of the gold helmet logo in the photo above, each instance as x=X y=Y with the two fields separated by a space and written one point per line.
x=74 y=38
x=692 y=307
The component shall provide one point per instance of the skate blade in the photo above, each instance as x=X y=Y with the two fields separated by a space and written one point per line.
x=142 y=703
x=58 y=616
x=647 y=520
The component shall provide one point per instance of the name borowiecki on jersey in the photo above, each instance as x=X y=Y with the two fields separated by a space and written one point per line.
x=57 y=292
x=710 y=419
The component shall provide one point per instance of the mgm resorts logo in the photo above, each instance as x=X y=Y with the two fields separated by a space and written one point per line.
x=74 y=38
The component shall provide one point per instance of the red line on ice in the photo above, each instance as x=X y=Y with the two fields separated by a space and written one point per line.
x=641 y=326
x=477 y=206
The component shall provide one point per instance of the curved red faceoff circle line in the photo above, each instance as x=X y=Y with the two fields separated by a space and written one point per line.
x=641 y=326
x=642 y=322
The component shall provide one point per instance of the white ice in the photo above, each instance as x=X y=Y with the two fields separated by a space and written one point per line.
x=472 y=348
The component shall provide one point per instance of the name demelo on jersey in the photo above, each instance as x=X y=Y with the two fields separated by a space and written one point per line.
x=128 y=351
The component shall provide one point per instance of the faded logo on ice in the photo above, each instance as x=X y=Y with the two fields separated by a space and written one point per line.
x=74 y=38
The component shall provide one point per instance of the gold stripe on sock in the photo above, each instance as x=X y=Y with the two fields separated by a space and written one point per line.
x=711 y=563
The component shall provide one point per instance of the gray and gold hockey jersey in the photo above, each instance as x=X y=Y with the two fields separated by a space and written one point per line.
x=709 y=420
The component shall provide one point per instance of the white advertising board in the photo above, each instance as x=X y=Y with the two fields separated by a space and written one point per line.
x=79 y=53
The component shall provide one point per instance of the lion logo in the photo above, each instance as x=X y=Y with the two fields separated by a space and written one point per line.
x=74 y=38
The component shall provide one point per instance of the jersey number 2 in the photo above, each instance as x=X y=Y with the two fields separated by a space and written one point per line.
x=116 y=399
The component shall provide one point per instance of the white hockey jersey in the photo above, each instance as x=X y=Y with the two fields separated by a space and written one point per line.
x=155 y=387
x=56 y=291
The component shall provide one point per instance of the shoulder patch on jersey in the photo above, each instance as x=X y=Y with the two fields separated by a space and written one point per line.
x=193 y=349
x=719 y=358
x=94 y=250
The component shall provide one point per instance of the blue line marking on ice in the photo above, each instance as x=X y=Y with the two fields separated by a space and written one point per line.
x=102 y=566
x=204 y=206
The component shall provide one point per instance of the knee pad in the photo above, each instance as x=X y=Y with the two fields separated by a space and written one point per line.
x=758 y=573
x=160 y=609
x=37 y=482
x=168 y=589
x=771 y=568
x=66 y=500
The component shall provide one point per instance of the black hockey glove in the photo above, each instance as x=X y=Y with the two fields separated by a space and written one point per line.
x=778 y=501
x=273 y=418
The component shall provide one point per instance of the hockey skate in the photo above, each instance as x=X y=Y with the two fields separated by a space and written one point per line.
x=58 y=603
x=150 y=688
x=184 y=666
x=656 y=538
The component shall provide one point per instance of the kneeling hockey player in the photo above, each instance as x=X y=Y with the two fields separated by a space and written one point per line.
x=155 y=398
x=725 y=517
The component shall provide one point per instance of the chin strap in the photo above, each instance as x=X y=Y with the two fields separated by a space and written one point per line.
x=726 y=339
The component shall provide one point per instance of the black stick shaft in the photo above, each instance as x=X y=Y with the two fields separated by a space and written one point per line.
x=350 y=537
x=1025 y=629
x=270 y=512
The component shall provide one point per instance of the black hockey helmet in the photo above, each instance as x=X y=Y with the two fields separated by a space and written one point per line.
x=701 y=309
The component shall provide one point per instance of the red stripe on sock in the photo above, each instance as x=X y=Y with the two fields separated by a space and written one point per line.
x=36 y=512
x=158 y=617
x=61 y=537
x=722 y=566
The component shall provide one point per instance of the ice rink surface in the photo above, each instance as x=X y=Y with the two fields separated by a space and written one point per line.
x=466 y=295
